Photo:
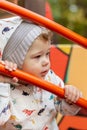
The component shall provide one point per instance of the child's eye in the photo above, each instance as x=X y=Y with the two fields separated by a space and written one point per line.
x=48 y=53
x=37 y=56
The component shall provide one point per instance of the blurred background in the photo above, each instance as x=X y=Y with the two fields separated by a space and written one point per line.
x=69 y=13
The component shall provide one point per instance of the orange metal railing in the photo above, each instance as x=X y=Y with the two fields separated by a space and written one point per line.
x=41 y=83
x=29 y=15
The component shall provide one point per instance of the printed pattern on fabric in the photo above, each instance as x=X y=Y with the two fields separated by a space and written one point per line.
x=32 y=108
x=7 y=28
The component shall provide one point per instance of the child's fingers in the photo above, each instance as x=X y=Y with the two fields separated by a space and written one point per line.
x=75 y=96
x=72 y=93
x=78 y=95
x=2 y=62
x=15 y=79
x=10 y=66
x=5 y=79
x=66 y=91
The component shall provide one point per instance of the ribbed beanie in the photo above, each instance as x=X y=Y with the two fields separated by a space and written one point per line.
x=20 y=41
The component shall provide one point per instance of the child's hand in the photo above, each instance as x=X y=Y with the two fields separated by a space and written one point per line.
x=11 y=67
x=72 y=94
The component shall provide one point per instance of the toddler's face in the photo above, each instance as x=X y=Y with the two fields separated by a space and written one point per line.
x=37 y=60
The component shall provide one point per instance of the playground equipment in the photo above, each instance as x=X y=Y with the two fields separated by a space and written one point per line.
x=29 y=15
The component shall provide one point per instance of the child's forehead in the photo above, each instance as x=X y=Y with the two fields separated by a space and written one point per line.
x=40 y=45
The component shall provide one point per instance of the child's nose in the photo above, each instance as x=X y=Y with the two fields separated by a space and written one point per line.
x=45 y=61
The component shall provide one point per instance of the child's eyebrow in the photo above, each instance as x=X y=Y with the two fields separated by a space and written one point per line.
x=37 y=53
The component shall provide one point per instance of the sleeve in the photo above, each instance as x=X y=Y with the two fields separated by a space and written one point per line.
x=61 y=105
x=4 y=102
x=66 y=109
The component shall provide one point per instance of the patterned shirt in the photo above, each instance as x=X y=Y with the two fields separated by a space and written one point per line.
x=32 y=108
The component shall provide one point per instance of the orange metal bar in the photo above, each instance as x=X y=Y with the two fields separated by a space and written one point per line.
x=41 y=83
x=29 y=15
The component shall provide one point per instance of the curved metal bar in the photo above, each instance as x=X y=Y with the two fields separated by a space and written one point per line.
x=29 y=15
x=41 y=83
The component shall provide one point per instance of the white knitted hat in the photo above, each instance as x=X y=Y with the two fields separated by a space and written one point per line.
x=19 y=41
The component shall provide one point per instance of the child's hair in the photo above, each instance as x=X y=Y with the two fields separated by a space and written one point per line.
x=45 y=36
x=20 y=41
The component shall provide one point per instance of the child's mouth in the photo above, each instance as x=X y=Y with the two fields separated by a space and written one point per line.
x=44 y=73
